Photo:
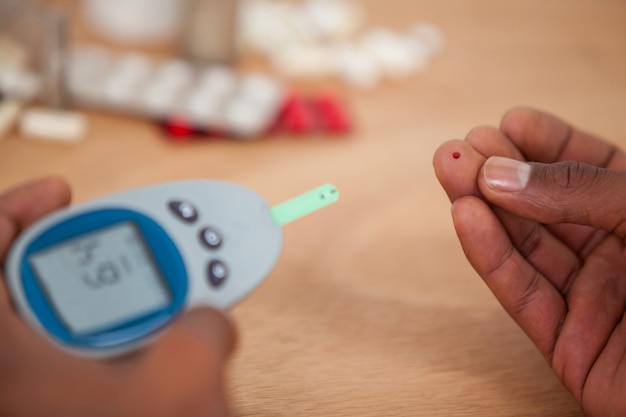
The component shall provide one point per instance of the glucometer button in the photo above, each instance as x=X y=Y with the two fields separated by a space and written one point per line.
x=217 y=272
x=184 y=211
x=210 y=238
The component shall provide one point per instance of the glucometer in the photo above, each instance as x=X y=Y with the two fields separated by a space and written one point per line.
x=106 y=277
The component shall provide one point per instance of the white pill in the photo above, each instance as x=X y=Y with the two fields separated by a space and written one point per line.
x=218 y=79
x=245 y=119
x=88 y=67
x=203 y=107
x=119 y=90
x=335 y=19
x=175 y=73
x=58 y=126
x=420 y=50
x=261 y=90
x=431 y=35
x=304 y=29
x=133 y=67
x=9 y=112
x=266 y=25
x=84 y=88
x=158 y=99
x=303 y=61
x=355 y=67
x=19 y=82
x=393 y=52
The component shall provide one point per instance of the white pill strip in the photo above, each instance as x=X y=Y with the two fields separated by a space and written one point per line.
x=53 y=125
x=212 y=97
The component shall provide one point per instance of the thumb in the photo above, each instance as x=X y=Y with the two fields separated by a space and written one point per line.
x=204 y=329
x=561 y=192
x=182 y=373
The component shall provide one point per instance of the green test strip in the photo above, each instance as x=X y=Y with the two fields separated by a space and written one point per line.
x=304 y=204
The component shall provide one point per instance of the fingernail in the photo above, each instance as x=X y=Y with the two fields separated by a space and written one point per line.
x=504 y=174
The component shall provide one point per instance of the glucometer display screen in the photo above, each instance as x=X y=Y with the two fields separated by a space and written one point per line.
x=101 y=279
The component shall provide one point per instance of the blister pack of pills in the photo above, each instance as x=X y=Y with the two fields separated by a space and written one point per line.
x=216 y=98
x=321 y=114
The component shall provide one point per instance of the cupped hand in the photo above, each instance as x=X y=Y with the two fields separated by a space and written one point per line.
x=540 y=210
x=181 y=374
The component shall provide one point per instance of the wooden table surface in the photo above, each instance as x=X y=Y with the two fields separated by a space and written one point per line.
x=372 y=309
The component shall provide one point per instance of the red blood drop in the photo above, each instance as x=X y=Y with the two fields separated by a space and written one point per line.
x=456 y=155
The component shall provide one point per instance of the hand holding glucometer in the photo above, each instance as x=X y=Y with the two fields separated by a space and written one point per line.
x=106 y=277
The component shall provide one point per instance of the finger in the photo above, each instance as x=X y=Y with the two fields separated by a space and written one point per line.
x=609 y=362
x=544 y=138
x=205 y=333
x=21 y=206
x=183 y=372
x=541 y=249
x=568 y=192
x=456 y=166
x=458 y=177
x=596 y=305
x=531 y=300
x=456 y=162
x=563 y=192
x=489 y=141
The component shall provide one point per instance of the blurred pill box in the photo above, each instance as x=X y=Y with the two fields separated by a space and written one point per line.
x=216 y=97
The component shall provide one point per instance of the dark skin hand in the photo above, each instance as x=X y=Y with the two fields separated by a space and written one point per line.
x=547 y=237
x=180 y=374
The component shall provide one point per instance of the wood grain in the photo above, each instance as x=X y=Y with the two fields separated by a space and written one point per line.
x=372 y=309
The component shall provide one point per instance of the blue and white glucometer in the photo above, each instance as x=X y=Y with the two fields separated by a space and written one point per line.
x=105 y=277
